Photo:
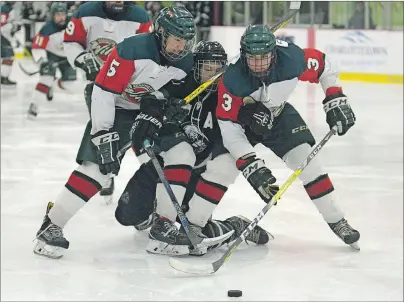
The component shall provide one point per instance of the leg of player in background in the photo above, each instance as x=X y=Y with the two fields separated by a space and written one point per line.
x=7 y=59
x=43 y=89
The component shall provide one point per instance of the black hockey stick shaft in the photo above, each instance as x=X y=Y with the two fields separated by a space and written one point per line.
x=184 y=221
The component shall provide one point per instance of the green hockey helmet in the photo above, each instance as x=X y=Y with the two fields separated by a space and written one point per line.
x=58 y=7
x=175 y=28
x=258 y=50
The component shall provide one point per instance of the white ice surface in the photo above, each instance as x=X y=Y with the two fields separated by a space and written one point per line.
x=305 y=262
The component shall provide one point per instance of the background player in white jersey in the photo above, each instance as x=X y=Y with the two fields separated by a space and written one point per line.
x=253 y=108
x=48 y=52
x=146 y=61
x=8 y=28
x=92 y=33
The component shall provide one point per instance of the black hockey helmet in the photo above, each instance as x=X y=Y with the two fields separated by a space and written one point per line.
x=258 y=50
x=58 y=7
x=179 y=23
x=209 y=58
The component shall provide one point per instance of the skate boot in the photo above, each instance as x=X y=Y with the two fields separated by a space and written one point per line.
x=7 y=83
x=258 y=234
x=346 y=233
x=108 y=190
x=165 y=238
x=32 y=111
x=50 y=240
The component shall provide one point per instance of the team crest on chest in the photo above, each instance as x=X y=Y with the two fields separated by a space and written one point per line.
x=102 y=47
x=134 y=92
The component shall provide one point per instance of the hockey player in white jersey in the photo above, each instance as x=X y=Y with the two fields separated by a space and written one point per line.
x=141 y=64
x=92 y=33
x=48 y=53
x=253 y=108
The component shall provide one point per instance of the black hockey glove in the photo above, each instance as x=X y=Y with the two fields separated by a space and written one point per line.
x=89 y=64
x=47 y=68
x=258 y=175
x=257 y=117
x=107 y=145
x=148 y=122
x=176 y=110
x=339 y=112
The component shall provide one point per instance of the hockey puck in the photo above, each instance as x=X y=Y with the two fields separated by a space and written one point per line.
x=234 y=293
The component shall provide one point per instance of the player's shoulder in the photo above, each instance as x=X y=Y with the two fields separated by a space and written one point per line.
x=90 y=9
x=139 y=47
x=186 y=64
x=135 y=13
x=5 y=9
x=48 y=29
x=236 y=80
x=290 y=62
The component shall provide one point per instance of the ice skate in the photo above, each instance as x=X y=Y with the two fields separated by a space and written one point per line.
x=165 y=238
x=32 y=111
x=7 y=83
x=50 y=241
x=258 y=234
x=346 y=233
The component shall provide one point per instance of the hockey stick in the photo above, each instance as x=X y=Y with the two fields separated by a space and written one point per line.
x=30 y=73
x=293 y=10
x=206 y=269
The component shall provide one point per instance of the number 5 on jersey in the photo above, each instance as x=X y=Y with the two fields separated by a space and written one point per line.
x=112 y=68
x=227 y=102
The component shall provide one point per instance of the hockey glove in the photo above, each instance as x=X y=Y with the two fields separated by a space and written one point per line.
x=257 y=117
x=259 y=176
x=339 y=112
x=89 y=64
x=148 y=122
x=46 y=68
x=107 y=145
x=176 y=110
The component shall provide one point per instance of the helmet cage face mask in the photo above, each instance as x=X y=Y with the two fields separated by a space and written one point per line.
x=172 y=55
x=259 y=65
x=206 y=69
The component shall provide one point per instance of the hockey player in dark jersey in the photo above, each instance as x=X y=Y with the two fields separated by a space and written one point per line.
x=253 y=108
x=207 y=181
x=47 y=51
x=90 y=36
x=138 y=65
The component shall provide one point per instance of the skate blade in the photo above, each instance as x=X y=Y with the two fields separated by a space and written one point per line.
x=355 y=246
x=163 y=248
x=49 y=251
x=108 y=199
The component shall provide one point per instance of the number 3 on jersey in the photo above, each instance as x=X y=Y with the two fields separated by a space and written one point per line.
x=227 y=102
x=112 y=68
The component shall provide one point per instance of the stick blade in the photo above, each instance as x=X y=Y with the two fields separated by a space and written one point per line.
x=180 y=264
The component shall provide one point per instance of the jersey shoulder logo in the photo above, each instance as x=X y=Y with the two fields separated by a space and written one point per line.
x=102 y=47
x=134 y=92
